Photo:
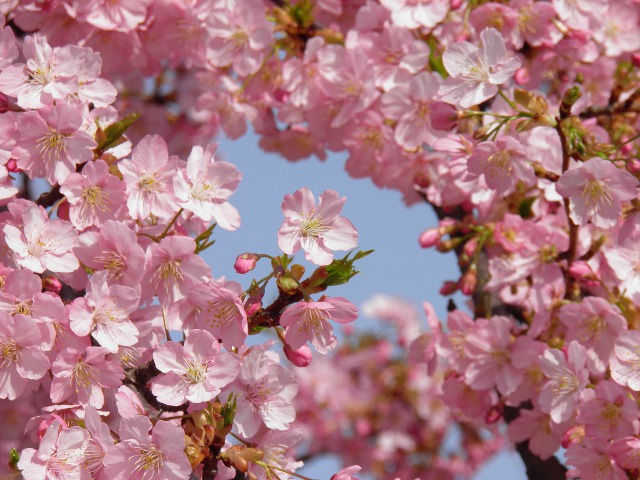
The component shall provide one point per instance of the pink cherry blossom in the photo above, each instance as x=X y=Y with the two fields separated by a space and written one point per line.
x=317 y=230
x=141 y=455
x=596 y=325
x=204 y=187
x=59 y=455
x=22 y=353
x=149 y=177
x=477 y=72
x=172 y=269
x=43 y=244
x=82 y=376
x=220 y=312
x=501 y=164
x=308 y=321
x=52 y=142
x=95 y=195
x=196 y=372
x=264 y=392
x=567 y=376
x=104 y=313
x=416 y=14
x=347 y=473
x=47 y=76
x=625 y=365
x=239 y=35
x=597 y=189
x=114 y=249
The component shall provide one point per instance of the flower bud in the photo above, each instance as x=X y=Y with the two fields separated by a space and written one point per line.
x=449 y=288
x=635 y=59
x=443 y=116
x=245 y=263
x=12 y=166
x=522 y=76
x=301 y=357
x=63 y=211
x=429 y=238
x=51 y=284
x=469 y=281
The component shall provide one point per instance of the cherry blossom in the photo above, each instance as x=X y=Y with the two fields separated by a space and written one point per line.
x=317 y=230
x=477 y=72
x=195 y=372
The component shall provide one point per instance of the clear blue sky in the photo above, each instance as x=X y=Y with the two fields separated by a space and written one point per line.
x=398 y=266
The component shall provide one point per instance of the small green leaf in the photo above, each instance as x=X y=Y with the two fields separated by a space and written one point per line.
x=113 y=134
x=341 y=271
x=229 y=411
x=14 y=457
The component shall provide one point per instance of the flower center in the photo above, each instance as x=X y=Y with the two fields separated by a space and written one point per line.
x=223 y=313
x=94 y=198
x=113 y=262
x=52 y=145
x=9 y=352
x=499 y=164
x=168 y=273
x=597 y=194
x=148 y=460
x=84 y=374
x=196 y=372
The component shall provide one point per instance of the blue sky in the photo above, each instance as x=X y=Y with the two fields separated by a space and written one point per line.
x=398 y=266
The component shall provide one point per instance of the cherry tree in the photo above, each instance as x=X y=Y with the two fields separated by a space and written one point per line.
x=124 y=356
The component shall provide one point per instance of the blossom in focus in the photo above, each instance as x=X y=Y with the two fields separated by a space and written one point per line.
x=195 y=372
x=141 y=455
x=597 y=189
x=308 y=321
x=59 y=456
x=317 y=230
x=477 y=72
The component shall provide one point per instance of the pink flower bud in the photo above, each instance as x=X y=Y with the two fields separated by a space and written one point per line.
x=455 y=4
x=63 y=211
x=51 y=284
x=300 y=357
x=633 y=165
x=580 y=269
x=245 y=263
x=429 y=238
x=522 y=76
x=494 y=414
x=635 y=59
x=469 y=281
x=449 y=288
x=444 y=116
x=12 y=166
x=470 y=247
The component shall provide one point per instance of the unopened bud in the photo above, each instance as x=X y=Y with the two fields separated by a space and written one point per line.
x=12 y=166
x=522 y=77
x=635 y=59
x=51 y=284
x=301 y=357
x=245 y=263
x=443 y=116
x=449 y=288
x=63 y=211
x=469 y=281
x=580 y=269
x=493 y=415
x=445 y=246
x=429 y=238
